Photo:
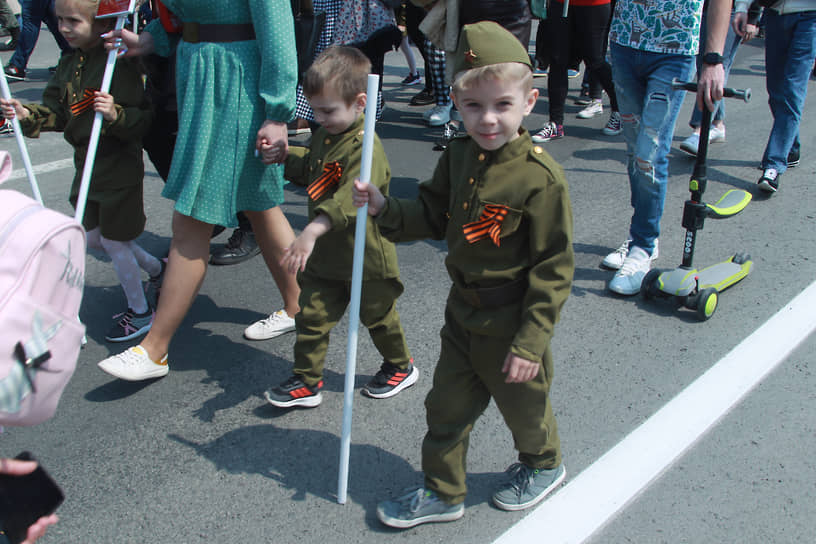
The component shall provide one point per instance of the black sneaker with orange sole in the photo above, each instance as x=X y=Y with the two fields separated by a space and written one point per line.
x=293 y=392
x=390 y=380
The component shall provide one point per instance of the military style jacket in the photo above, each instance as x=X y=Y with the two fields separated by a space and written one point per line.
x=67 y=106
x=329 y=168
x=507 y=220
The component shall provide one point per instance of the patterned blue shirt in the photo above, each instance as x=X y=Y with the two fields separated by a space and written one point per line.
x=660 y=26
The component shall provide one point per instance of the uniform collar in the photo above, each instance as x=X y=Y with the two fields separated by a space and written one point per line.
x=508 y=151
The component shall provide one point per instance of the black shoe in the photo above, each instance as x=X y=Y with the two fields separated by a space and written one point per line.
x=390 y=380
x=11 y=45
x=793 y=158
x=583 y=97
x=13 y=73
x=240 y=247
x=293 y=392
x=769 y=182
x=448 y=133
x=154 y=285
x=217 y=229
x=423 y=98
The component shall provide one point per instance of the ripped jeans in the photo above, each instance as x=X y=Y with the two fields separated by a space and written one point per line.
x=649 y=109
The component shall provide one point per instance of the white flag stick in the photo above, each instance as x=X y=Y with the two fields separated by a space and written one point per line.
x=18 y=135
x=96 y=129
x=356 y=286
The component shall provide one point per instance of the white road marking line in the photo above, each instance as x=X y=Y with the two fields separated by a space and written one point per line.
x=589 y=501
x=43 y=168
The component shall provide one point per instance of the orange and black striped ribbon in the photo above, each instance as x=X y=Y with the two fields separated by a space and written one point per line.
x=84 y=104
x=332 y=172
x=488 y=225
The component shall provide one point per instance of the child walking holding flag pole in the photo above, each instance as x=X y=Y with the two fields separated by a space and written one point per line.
x=75 y=103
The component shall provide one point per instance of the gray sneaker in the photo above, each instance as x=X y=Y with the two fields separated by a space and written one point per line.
x=417 y=507
x=527 y=486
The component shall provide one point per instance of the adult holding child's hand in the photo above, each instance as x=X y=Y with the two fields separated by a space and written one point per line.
x=236 y=76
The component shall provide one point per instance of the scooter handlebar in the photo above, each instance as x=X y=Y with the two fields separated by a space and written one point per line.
x=728 y=92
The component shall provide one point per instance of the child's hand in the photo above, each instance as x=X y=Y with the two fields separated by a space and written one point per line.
x=296 y=255
x=366 y=193
x=103 y=103
x=13 y=108
x=519 y=369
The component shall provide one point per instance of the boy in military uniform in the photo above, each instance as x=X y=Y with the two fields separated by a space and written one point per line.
x=322 y=254
x=502 y=205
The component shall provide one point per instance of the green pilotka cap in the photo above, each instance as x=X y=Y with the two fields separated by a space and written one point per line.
x=485 y=43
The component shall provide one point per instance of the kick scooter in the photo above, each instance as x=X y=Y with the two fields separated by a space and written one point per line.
x=699 y=289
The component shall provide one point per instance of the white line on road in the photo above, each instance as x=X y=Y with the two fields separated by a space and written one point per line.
x=43 y=168
x=604 y=488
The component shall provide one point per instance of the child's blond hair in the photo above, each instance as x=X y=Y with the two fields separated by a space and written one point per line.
x=344 y=68
x=503 y=71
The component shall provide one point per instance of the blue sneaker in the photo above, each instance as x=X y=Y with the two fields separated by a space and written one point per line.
x=417 y=507
x=527 y=486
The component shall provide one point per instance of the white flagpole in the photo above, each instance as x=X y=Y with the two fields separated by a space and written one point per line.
x=18 y=134
x=356 y=287
x=96 y=129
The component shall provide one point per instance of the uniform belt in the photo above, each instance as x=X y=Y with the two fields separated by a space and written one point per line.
x=196 y=32
x=494 y=297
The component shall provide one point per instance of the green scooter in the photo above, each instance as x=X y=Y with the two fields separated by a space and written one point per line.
x=699 y=289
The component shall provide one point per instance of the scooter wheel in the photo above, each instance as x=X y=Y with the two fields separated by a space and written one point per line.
x=740 y=258
x=649 y=287
x=707 y=303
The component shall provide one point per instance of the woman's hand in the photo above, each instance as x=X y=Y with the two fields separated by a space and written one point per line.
x=272 y=142
x=128 y=43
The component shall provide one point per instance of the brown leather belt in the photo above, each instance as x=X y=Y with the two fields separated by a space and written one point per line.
x=494 y=297
x=196 y=33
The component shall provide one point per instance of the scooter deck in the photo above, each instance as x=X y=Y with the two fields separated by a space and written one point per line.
x=720 y=276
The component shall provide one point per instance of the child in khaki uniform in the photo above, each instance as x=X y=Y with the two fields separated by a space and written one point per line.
x=114 y=214
x=502 y=205
x=322 y=255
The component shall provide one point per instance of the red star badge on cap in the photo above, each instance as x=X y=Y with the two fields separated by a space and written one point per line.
x=470 y=56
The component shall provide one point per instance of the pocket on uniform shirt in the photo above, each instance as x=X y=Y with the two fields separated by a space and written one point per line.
x=511 y=221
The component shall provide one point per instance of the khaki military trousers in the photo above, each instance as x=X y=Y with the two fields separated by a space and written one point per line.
x=323 y=303
x=467 y=375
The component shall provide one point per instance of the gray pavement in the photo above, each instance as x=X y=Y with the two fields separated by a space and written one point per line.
x=199 y=457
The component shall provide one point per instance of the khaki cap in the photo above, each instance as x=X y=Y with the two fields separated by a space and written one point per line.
x=485 y=43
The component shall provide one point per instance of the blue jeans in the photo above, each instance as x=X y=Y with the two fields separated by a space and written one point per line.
x=732 y=43
x=34 y=14
x=790 y=48
x=648 y=108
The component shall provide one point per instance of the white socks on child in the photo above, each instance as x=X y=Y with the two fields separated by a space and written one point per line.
x=128 y=260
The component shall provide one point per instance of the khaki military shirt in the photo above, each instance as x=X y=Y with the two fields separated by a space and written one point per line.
x=333 y=252
x=535 y=239
x=119 y=154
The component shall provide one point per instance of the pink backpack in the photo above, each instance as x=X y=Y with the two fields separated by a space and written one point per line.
x=42 y=273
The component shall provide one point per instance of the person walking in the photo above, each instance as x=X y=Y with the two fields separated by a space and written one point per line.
x=236 y=77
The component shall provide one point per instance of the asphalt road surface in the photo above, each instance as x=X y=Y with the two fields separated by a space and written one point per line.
x=198 y=456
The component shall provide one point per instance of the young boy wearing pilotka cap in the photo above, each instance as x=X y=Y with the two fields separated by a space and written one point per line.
x=502 y=205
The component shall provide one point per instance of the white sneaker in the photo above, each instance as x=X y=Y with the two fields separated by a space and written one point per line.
x=274 y=325
x=135 y=365
x=716 y=135
x=594 y=108
x=438 y=115
x=615 y=259
x=691 y=144
x=628 y=279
